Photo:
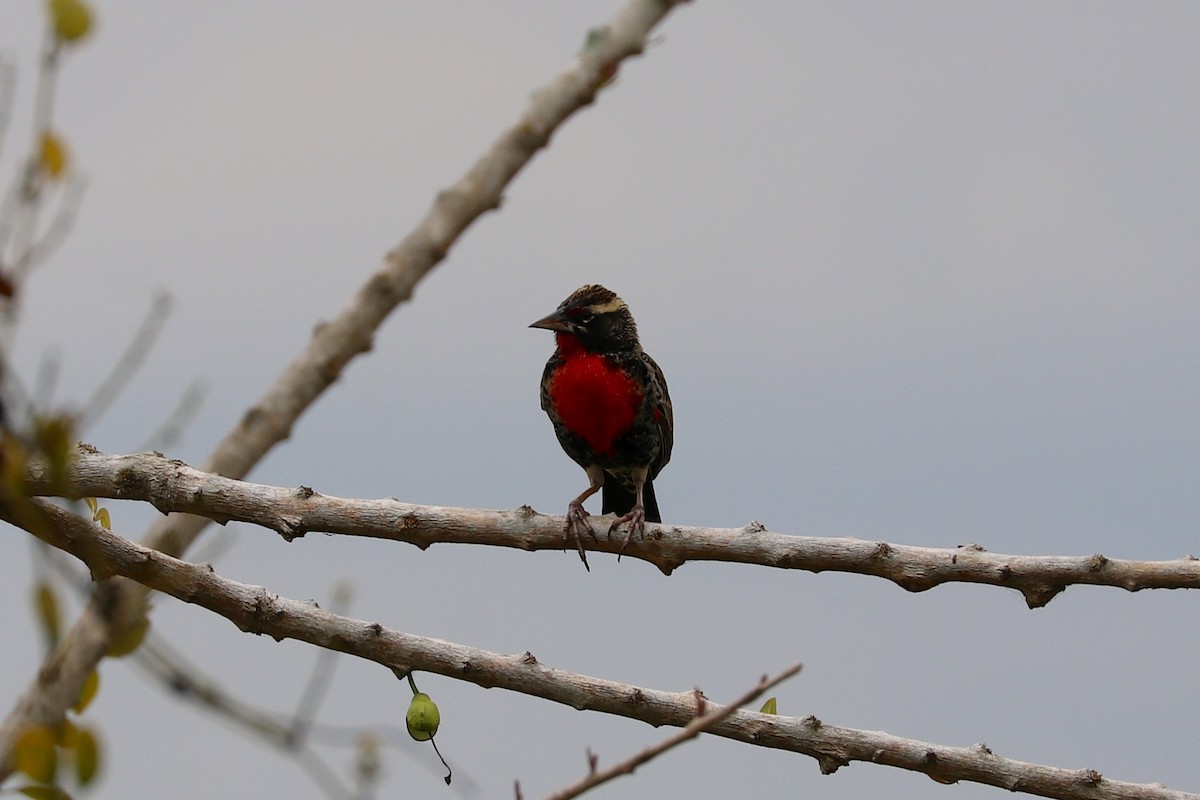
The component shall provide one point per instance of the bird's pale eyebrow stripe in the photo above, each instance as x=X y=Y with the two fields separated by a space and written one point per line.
x=616 y=304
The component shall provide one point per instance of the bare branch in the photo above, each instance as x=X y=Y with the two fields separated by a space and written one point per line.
x=707 y=716
x=322 y=674
x=254 y=609
x=173 y=671
x=32 y=181
x=172 y=486
x=334 y=344
x=70 y=200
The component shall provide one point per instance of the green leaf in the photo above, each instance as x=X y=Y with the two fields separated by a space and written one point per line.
x=47 y=611
x=769 y=706
x=91 y=684
x=13 y=458
x=35 y=753
x=44 y=792
x=66 y=734
x=53 y=436
x=129 y=641
x=87 y=757
x=54 y=155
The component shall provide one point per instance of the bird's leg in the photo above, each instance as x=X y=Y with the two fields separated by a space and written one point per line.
x=636 y=516
x=577 y=516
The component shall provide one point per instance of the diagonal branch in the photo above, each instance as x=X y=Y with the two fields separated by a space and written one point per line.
x=335 y=343
x=172 y=486
x=254 y=609
x=706 y=717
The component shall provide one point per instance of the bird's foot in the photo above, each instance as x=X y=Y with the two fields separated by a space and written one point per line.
x=637 y=525
x=577 y=525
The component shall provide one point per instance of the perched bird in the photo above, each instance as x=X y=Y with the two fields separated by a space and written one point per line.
x=610 y=408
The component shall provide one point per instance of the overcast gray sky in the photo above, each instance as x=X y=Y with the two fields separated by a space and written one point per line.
x=923 y=272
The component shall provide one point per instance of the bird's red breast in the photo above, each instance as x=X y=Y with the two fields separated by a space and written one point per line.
x=594 y=399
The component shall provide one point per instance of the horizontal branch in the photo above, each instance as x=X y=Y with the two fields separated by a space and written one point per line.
x=172 y=486
x=254 y=609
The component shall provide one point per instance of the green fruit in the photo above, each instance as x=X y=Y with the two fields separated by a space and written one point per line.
x=422 y=718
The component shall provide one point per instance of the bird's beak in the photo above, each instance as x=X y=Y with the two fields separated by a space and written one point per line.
x=554 y=322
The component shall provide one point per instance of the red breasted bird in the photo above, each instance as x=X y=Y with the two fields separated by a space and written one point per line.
x=610 y=408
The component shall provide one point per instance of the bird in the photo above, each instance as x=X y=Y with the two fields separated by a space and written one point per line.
x=609 y=404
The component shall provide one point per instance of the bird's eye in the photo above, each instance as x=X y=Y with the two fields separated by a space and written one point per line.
x=585 y=318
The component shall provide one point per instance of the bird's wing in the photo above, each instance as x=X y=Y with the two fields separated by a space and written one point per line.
x=664 y=415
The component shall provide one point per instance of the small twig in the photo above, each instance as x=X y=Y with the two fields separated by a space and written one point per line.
x=323 y=775
x=39 y=251
x=322 y=673
x=366 y=767
x=47 y=85
x=706 y=717
x=135 y=354
x=396 y=738
x=184 y=679
x=45 y=380
x=172 y=428
x=8 y=218
x=24 y=226
x=176 y=673
x=8 y=93
x=20 y=406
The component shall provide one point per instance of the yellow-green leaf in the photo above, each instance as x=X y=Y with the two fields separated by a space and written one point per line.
x=87 y=757
x=72 y=19
x=54 y=155
x=13 y=458
x=91 y=684
x=422 y=718
x=92 y=505
x=102 y=517
x=129 y=641
x=44 y=792
x=54 y=435
x=47 y=610
x=66 y=734
x=35 y=753
x=769 y=706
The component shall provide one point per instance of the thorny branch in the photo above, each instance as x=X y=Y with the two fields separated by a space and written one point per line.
x=172 y=486
x=254 y=609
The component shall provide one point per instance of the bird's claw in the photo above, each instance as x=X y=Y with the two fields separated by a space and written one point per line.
x=577 y=525
x=637 y=525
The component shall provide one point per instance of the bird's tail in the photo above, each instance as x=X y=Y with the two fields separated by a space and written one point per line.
x=616 y=498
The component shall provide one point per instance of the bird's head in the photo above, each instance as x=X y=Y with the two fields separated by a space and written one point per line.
x=592 y=319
